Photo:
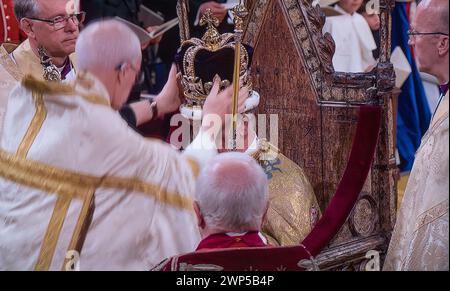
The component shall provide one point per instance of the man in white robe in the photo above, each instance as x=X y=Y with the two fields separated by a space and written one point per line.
x=54 y=25
x=353 y=38
x=78 y=188
x=421 y=235
x=17 y=61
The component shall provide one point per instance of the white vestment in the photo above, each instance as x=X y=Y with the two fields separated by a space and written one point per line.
x=61 y=149
x=420 y=238
x=16 y=62
x=354 y=42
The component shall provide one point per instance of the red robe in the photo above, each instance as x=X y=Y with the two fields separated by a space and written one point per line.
x=9 y=27
x=226 y=241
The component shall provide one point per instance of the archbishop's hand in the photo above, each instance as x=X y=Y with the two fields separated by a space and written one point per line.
x=220 y=103
x=168 y=100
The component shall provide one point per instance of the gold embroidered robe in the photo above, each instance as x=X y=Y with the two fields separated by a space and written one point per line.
x=293 y=208
x=75 y=177
x=420 y=238
x=15 y=62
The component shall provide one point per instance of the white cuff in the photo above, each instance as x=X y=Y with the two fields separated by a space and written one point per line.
x=202 y=149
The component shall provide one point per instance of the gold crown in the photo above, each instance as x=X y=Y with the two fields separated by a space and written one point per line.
x=200 y=60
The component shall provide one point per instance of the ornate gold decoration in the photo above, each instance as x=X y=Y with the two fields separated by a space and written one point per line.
x=212 y=35
x=50 y=71
x=363 y=220
x=265 y=152
x=195 y=89
x=240 y=14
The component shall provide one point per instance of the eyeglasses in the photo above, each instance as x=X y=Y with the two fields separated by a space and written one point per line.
x=413 y=34
x=137 y=71
x=60 y=22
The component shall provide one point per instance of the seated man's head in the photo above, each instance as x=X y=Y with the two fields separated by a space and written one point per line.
x=232 y=195
x=52 y=24
x=112 y=53
x=350 y=6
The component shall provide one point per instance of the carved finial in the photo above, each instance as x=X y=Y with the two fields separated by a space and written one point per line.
x=212 y=35
x=240 y=13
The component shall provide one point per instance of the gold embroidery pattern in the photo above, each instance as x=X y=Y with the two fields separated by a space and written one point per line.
x=35 y=126
x=293 y=207
x=434 y=213
x=436 y=124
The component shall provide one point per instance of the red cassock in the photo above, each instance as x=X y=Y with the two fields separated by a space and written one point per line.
x=224 y=252
x=248 y=252
x=9 y=27
x=225 y=241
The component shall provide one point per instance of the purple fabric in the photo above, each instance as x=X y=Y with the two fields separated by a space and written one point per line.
x=209 y=64
x=66 y=70
x=443 y=89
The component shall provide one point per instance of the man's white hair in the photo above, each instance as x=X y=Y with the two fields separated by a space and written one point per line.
x=232 y=193
x=25 y=8
x=106 y=44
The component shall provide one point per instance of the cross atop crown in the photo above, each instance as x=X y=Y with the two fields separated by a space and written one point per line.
x=212 y=35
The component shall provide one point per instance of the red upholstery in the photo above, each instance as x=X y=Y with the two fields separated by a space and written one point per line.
x=246 y=259
x=351 y=185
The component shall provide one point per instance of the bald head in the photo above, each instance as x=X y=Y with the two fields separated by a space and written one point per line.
x=232 y=193
x=434 y=14
x=106 y=44
x=430 y=43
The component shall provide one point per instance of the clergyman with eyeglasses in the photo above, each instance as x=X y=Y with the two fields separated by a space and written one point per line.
x=52 y=28
x=421 y=235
